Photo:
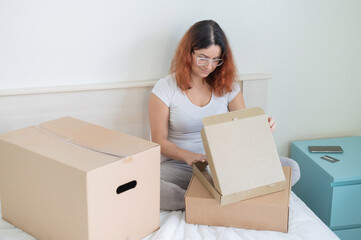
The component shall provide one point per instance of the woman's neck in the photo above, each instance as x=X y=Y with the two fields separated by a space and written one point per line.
x=197 y=81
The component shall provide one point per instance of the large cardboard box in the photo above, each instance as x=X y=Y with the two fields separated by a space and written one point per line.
x=268 y=212
x=242 y=156
x=69 y=179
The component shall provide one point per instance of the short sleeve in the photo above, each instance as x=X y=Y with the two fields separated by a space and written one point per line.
x=164 y=90
x=234 y=92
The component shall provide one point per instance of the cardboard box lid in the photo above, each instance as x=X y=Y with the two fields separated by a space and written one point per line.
x=70 y=141
x=241 y=152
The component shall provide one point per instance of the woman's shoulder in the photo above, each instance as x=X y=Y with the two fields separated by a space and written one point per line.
x=167 y=81
x=235 y=89
x=165 y=89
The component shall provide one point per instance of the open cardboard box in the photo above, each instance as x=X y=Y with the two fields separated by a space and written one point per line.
x=268 y=212
x=242 y=156
x=69 y=179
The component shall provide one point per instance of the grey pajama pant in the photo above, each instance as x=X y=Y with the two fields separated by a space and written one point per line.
x=175 y=176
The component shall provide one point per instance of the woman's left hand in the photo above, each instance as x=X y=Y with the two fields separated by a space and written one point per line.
x=272 y=124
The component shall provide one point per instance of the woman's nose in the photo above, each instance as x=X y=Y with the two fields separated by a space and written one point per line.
x=209 y=65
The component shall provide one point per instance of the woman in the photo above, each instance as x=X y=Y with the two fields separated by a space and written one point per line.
x=201 y=83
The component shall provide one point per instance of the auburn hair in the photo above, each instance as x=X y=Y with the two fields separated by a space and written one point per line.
x=202 y=35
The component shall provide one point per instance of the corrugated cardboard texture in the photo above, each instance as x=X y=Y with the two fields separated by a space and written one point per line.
x=241 y=152
x=269 y=212
x=54 y=186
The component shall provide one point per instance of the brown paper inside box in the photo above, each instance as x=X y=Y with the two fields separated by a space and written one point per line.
x=69 y=179
x=242 y=156
x=268 y=212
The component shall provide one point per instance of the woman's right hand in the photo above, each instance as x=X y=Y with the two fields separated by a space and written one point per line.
x=192 y=157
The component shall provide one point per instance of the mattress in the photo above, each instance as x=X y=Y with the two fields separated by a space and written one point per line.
x=303 y=224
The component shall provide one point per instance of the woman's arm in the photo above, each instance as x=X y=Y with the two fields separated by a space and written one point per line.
x=238 y=103
x=159 y=117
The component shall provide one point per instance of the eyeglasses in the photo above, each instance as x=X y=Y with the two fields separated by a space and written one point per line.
x=201 y=61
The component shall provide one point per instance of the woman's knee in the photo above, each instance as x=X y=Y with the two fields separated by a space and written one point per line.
x=296 y=173
x=171 y=196
x=176 y=173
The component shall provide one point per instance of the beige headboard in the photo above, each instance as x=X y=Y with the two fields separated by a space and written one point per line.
x=120 y=106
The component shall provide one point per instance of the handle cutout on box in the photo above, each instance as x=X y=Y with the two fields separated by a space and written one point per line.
x=126 y=187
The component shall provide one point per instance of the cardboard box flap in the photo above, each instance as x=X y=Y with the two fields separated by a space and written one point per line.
x=97 y=138
x=241 y=152
x=76 y=143
x=30 y=139
x=278 y=198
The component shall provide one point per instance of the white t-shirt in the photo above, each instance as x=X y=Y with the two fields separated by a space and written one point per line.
x=185 y=118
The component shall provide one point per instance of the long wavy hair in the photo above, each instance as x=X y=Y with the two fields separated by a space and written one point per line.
x=202 y=35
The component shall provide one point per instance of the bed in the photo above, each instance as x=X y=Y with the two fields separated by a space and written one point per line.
x=303 y=224
x=123 y=107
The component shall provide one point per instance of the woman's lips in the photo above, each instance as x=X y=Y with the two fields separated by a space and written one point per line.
x=206 y=72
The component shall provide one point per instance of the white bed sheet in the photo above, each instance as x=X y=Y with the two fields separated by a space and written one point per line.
x=303 y=224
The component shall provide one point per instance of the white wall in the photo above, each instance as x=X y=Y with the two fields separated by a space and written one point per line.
x=311 y=47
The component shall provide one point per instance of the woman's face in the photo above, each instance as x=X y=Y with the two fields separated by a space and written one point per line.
x=212 y=52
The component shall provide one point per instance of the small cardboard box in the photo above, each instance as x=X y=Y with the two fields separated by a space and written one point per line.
x=242 y=156
x=69 y=179
x=268 y=212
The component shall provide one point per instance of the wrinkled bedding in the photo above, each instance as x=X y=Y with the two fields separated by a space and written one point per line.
x=303 y=224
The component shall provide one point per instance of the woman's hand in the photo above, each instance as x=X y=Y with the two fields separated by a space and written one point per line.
x=272 y=124
x=192 y=157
